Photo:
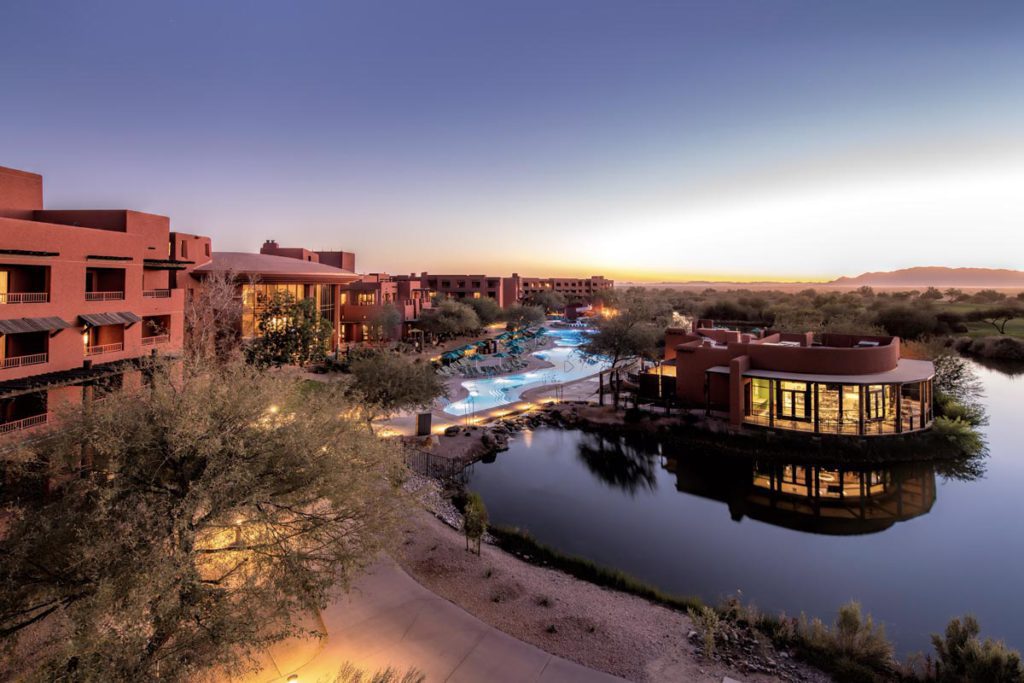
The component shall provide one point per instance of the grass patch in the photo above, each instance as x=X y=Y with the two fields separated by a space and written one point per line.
x=526 y=547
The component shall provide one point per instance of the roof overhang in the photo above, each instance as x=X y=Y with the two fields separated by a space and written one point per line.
x=906 y=370
x=100 y=319
x=22 y=325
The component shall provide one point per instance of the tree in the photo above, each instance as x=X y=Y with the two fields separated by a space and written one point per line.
x=384 y=322
x=906 y=322
x=475 y=520
x=997 y=316
x=290 y=332
x=213 y=315
x=519 y=316
x=384 y=383
x=633 y=333
x=486 y=308
x=549 y=300
x=931 y=294
x=988 y=296
x=449 y=319
x=954 y=294
x=215 y=507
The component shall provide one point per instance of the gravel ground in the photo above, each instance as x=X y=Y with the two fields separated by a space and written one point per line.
x=600 y=628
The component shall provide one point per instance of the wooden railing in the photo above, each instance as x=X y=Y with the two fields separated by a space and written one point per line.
x=21 y=361
x=104 y=296
x=156 y=339
x=156 y=293
x=103 y=349
x=24 y=297
x=24 y=423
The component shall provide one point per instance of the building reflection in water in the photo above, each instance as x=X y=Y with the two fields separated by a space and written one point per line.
x=821 y=499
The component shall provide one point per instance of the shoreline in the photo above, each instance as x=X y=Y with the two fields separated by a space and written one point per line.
x=598 y=627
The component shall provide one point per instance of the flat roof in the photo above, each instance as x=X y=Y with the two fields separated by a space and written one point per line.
x=275 y=267
x=906 y=370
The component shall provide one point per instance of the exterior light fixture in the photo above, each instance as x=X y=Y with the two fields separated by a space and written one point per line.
x=293 y=677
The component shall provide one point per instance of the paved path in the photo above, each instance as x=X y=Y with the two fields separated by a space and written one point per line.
x=388 y=619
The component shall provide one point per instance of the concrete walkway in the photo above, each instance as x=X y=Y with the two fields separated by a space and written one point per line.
x=388 y=619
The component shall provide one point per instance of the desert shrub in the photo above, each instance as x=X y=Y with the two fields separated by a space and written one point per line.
x=961 y=656
x=906 y=322
x=961 y=434
x=853 y=648
x=1001 y=348
x=475 y=520
x=706 y=620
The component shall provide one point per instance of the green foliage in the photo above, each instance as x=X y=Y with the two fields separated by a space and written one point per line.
x=486 y=308
x=475 y=516
x=961 y=657
x=385 y=323
x=931 y=294
x=707 y=622
x=290 y=333
x=519 y=316
x=384 y=383
x=193 y=524
x=994 y=348
x=854 y=647
x=449 y=318
x=907 y=322
x=548 y=300
x=960 y=434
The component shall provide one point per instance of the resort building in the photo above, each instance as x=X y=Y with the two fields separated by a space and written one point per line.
x=467 y=287
x=381 y=307
x=84 y=294
x=839 y=384
x=514 y=289
x=579 y=290
x=260 y=276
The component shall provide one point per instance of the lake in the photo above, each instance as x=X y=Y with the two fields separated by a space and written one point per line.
x=914 y=547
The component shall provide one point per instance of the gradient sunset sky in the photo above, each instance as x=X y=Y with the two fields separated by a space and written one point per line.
x=641 y=140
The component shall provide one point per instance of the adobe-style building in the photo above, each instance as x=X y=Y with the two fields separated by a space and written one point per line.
x=575 y=290
x=841 y=384
x=515 y=288
x=83 y=295
x=259 y=276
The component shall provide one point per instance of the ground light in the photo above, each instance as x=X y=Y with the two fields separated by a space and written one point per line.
x=293 y=677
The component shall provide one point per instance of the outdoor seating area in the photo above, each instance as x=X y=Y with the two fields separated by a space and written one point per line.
x=489 y=358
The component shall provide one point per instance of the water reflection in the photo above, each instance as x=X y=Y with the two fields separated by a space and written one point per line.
x=836 y=500
x=623 y=462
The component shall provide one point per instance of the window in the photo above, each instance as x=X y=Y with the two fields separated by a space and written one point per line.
x=794 y=401
x=874 y=402
x=184 y=249
x=760 y=396
x=206 y=248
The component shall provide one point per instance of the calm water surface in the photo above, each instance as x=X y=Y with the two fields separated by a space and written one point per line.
x=915 y=548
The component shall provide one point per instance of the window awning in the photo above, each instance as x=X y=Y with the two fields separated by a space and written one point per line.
x=97 y=319
x=20 y=325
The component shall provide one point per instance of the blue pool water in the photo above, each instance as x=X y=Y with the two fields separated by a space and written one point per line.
x=493 y=392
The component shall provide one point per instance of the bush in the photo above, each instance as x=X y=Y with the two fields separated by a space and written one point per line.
x=706 y=620
x=907 y=322
x=853 y=647
x=996 y=348
x=961 y=656
x=475 y=516
x=961 y=435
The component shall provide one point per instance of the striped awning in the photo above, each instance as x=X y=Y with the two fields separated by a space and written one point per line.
x=97 y=319
x=20 y=325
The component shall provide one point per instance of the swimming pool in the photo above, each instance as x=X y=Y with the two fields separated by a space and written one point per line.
x=568 y=365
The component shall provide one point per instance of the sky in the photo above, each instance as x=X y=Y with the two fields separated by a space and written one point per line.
x=640 y=140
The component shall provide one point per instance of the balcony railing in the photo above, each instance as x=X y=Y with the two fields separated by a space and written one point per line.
x=156 y=339
x=21 y=361
x=157 y=293
x=24 y=297
x=24 y=423
x=104 y=296
x=103 y=349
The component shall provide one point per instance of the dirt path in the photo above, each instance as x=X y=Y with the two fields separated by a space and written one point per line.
x=593 y=626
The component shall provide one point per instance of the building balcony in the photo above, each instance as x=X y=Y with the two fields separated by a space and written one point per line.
x=104 y=296
x=156 y=294
x=156 y=340
x=22 y=361
x=104 y=349
x=24 y=423
x=24 y=297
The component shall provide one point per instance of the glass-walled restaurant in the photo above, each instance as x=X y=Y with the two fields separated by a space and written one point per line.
x=823 y=407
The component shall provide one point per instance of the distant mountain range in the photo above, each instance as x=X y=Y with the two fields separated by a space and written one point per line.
x=906 y=278
x=937 y=276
